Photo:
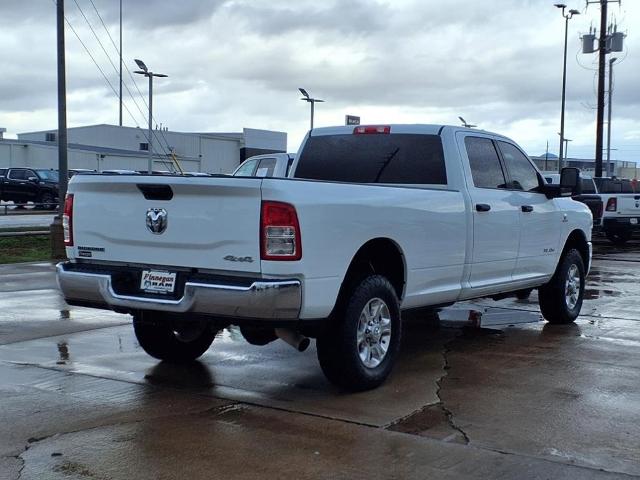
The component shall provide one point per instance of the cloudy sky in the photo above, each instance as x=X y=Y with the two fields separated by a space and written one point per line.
x=239 y=63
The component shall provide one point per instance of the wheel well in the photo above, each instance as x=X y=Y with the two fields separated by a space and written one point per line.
x=380 y=256
x=578 y=241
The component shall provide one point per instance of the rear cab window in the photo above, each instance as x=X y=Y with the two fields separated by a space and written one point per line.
x=374 y=158
x=587 y=185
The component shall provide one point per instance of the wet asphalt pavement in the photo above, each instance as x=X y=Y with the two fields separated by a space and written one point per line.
x=517 y=398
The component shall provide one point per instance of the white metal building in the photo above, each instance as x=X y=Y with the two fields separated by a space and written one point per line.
x=109 y=147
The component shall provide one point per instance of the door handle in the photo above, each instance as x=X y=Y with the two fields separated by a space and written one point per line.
x=527 y=208
x=483 y=207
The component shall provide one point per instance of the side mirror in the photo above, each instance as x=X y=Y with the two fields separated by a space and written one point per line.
x=570 y=180
x=33 y=179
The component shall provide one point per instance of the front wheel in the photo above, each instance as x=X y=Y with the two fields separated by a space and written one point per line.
x=359 y=350
x=561 y=299
x=176 y=342
x=619 y=237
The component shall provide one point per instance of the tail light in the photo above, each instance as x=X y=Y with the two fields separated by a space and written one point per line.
x=612 y=204
x=597 y=210
x=279 y=232
x=67 y=220
x=371 y=129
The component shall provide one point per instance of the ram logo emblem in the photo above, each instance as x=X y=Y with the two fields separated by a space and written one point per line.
x=157 y=220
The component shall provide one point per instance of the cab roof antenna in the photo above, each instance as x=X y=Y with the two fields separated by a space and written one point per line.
x=465 y=124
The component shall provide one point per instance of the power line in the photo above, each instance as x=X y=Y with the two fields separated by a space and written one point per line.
x=164 y=151
x=129 y=72
x=103 y=74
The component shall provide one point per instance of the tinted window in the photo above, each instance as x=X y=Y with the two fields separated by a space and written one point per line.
x=246 y=169
x=266 y=167
x=3 y=172
x=374 y=158
x=608 y=185
x=523 y=175
x=587 y=185
x=18 y=174
x=485 y=164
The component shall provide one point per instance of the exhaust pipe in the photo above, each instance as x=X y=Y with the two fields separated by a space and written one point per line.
x=297 y=341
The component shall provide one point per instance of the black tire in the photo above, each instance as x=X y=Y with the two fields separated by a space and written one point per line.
x=173 y=342
x=619 y=237
x=46 y=201
x=553 y=298
x=339 y=346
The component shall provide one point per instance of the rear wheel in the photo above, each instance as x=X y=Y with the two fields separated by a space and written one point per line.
x=46 y=201
x=561 y=299
x=164 y=339
x=359 y=349
x=619 y=237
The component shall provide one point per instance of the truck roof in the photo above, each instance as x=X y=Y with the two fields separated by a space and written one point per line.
x=418 y=128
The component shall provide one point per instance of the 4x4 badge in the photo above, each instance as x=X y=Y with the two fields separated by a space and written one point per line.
x=157 y=220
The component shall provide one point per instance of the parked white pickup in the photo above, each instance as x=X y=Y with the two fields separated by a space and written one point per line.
x=376 y=219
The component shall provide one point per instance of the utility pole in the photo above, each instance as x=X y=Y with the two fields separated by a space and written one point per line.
x=602 y=52
x=607 y=43
x=57 y=237
x=120 y=63
x=609 y=172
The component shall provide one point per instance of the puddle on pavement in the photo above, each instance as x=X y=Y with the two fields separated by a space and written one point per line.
x=431 y=422
x=594 y=293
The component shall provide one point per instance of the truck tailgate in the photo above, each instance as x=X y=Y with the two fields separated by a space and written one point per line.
x=629 y=204
x=209 y=223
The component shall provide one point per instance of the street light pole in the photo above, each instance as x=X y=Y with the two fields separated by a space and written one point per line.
x=145 y=71
x=312 y=101
x=566 y=147
x=608 y=169
x=567 y=17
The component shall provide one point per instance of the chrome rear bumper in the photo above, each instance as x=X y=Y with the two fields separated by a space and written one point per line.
x=262 y=299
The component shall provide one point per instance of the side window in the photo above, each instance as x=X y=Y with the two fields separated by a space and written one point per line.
x=523 y=175
x=266 y=167
x=587 y=185
x=3 y=172
x=18 y=174
x=246 y=169
x=485 y=163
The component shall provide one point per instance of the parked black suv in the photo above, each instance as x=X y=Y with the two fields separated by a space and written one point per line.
x=22 y=185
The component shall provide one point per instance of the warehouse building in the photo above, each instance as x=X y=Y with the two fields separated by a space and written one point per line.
x=110 y=147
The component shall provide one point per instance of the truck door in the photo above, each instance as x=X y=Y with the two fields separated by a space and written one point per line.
x=495 y=214
x=17 y=186
x=540 y=219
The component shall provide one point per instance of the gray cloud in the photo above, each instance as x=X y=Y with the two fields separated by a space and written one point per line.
x=235 y=63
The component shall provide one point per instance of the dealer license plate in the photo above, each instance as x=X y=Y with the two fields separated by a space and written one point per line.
x=633 y=221
x=158 y=281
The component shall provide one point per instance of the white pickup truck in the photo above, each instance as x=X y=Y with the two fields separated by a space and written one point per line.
x=374 y=220
x=621 y=213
